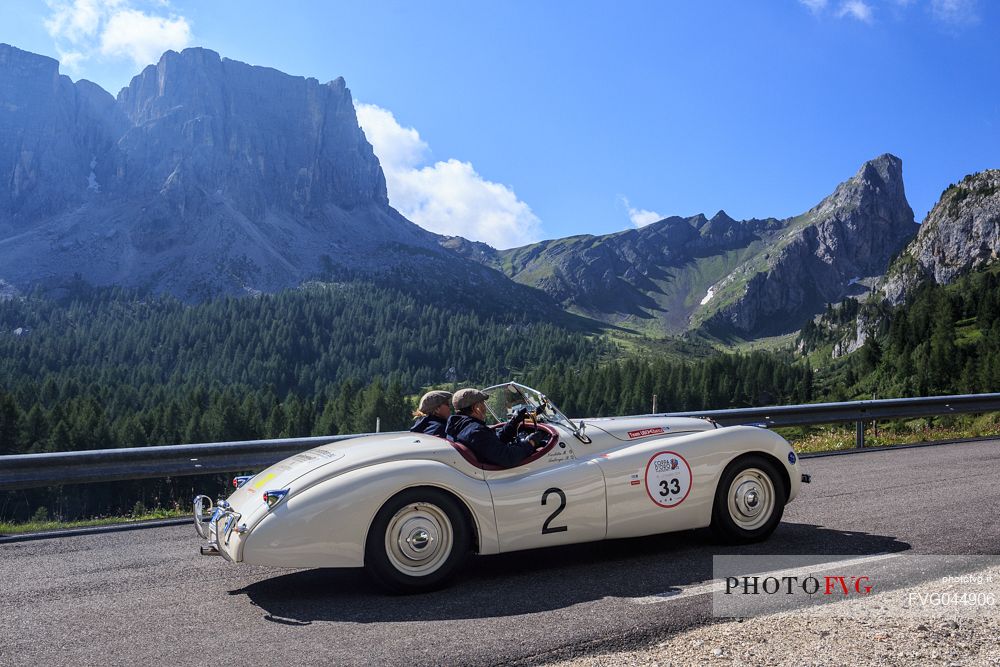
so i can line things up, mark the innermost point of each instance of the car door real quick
(558, 499)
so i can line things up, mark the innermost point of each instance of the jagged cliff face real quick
(51, 130)
(832, 251)
(205, 176)
(746, 278)
(260, 137)
(960, 234)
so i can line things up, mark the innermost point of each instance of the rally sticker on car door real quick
(668, 479)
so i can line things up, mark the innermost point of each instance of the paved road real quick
(145, 597)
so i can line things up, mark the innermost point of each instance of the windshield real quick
(506, 399)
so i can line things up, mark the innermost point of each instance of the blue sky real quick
(515, 121)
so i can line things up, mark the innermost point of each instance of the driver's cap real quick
(466, 398)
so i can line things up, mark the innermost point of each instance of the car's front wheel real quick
(417, 541)
(749, 500)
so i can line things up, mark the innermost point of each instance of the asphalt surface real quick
(147, 597)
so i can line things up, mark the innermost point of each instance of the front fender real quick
(326, 525)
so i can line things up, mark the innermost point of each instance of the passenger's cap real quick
(432, 400)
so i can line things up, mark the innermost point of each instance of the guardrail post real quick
(859, 440)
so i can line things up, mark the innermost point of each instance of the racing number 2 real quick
(674, 487)
(546, 528)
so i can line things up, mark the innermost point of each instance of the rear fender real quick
(631, 509)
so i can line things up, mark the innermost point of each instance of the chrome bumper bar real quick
(218, 528)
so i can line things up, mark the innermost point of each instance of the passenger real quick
(432, 415)
(469, 428)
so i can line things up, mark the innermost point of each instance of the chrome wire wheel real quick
(751, 499)
(418, 539)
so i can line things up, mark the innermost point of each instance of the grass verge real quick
(7, 528)
(810, 439)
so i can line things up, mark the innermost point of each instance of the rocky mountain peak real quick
(822, 256)
(877, 190)
(204, 176)
(886, 166)
(721, 217)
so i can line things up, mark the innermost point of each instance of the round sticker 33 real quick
(668, 479)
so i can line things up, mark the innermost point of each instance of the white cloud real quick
(856, 9)
(955, 12)
(816, 6)
(640, 217)
(142, 37)
(397, 147)
(71, 60)
(113, 29)
(448, 197)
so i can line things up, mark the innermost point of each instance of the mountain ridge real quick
(208, 176)
(718, 275)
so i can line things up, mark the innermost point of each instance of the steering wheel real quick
(537, 439)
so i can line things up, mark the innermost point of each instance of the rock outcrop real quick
(960, 234)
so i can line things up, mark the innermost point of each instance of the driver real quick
(467, 427)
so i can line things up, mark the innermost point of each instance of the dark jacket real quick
(489, 446)
(429, 424)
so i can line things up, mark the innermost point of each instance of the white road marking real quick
(717, 585)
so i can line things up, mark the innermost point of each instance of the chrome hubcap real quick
(751, 499)
(419, 539)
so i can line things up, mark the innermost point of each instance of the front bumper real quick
(218, 529)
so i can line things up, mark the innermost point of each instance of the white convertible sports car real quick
(411, 507)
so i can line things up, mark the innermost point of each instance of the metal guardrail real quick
(853, 411)
(104, 465)
(23, 471)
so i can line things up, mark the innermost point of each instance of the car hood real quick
(628, 429)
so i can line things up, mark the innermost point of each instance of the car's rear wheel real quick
(417, 541)
(749, 500)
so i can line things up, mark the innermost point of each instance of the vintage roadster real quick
(411, 507)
